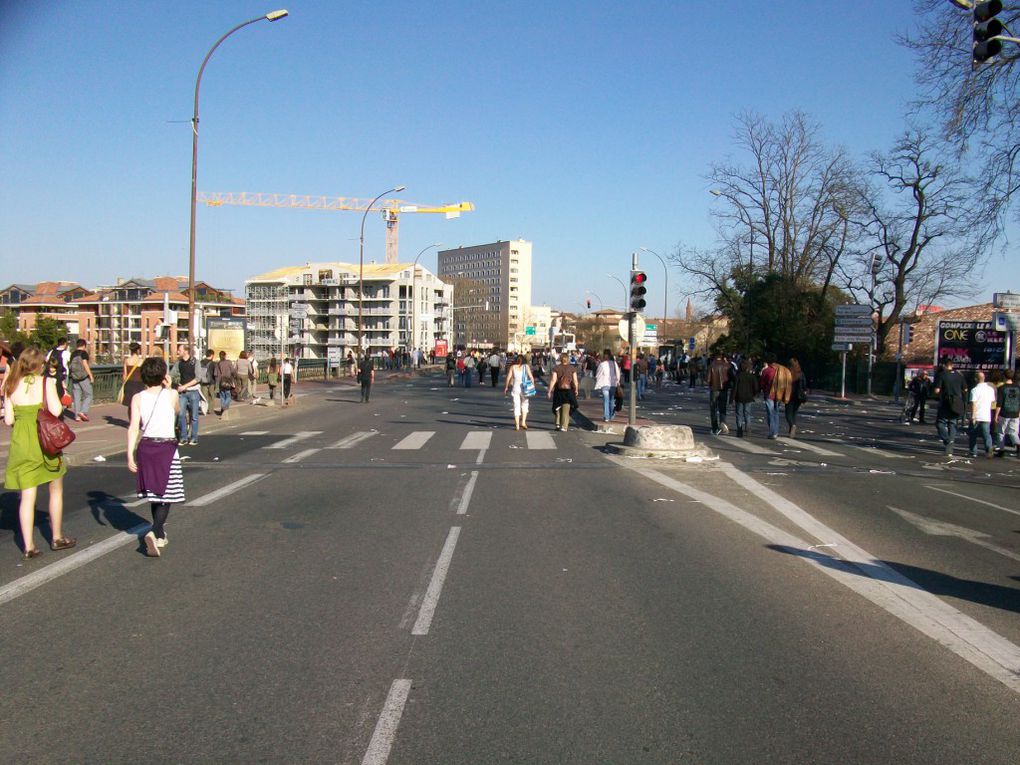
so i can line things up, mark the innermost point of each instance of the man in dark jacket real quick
(919, 389)
(720, 380)
(951, 391)
(744, 391)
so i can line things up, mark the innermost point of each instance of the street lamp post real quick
(665, 289)
(414, 292)
(626, 294)
(192, 329)
(361, 266)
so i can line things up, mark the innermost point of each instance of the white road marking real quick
(477, 439)
(386, 728)
(481, 457)
(943, 529)
(350, 441)
(972, 499)
(539, 440)
(38, 578)
(431, 599)
(297, 437)
(464, 498)
(301, 455)
(747, 446)
(877, 451)
(255, 433)
(212, 496)
(416, 440)
(808, 447)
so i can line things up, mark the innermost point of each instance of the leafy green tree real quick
(47, 331)
(9, 331)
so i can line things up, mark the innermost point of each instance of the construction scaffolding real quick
(268, 315)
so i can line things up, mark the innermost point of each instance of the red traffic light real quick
(638, 277)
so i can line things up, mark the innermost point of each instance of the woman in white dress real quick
(515, 376)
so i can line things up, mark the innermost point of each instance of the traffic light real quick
(588, 301)
(637, 290)
(986, 29)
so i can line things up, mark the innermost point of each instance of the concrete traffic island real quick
(661, 441)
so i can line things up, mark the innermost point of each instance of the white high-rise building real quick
(493, 289)
(311, 311)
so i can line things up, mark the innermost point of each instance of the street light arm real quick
(361, 264)
(665, 288)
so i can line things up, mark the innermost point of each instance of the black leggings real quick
(160, 510)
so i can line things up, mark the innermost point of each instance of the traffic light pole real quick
(632, 409)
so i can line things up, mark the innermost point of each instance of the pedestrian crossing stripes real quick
(807, 446)
(348, 442)
(477, 439)
(539, 440)
(297, 437)
(416, 440)
(747, 446)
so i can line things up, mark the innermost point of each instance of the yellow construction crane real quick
(391, 209)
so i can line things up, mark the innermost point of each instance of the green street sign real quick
(529, 330)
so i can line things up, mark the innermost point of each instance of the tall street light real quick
(361, 266)
(414, 292)
(192, 329)
(665, 289)
(626, 293)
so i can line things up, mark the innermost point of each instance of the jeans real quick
(608, 401)
(642, 386)
(81, 393)
(224, 400)
(772, 416)
(1009, 427)
(984, 431)
(189, 405)
(717, 403)
(743, 415)
(470, 373)
(947, 432)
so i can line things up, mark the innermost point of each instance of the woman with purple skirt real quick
(152, 450)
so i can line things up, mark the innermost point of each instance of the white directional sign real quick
(1006, 322)
(854, 309)
(842, 347)
(853, 321)
(848, 337)
(1006, 300)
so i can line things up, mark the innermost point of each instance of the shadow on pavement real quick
(934, 582)
(108, 510)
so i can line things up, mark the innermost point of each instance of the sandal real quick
(64, 543)
(35, 552)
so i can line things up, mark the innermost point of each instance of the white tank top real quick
(157, 413)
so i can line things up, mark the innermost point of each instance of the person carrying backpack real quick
(80, 375)
(57, 361)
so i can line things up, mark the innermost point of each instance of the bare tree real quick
(918, 244)
(785, 208)
(977, 106)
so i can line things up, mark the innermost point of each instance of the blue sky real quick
(584, 127)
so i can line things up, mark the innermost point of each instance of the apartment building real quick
(311, 311)
(150, 312)
(493, 284)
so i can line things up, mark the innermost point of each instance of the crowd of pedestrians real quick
(987, 409)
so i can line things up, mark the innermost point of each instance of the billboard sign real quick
(226, 333)
(441, 349)
(972, 345)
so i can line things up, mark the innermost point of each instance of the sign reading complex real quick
(972, 345)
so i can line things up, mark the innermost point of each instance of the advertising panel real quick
(441, 349)
(224, 333)
(972, 345)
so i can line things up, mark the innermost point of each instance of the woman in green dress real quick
(27, 466)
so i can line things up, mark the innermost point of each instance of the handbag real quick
(54, 434)
(527, 384)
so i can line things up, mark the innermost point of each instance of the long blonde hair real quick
(30, 362)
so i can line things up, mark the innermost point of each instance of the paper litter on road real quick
(215, 459)
(99, 458)
(663, 499)
(882, 472)
(451, 467)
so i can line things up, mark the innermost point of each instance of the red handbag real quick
(54, 434)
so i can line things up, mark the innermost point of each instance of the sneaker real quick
(151, 545)
(84, 417)
(724, 429)
(162, 542)
(193, 442)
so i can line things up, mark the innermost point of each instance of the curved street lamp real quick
(361, 264)
(192, 329)
(414, 291)
(626, 294)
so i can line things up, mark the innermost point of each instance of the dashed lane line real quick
(300, 455)
(972, 499)
(348, 442)
(435, 589)
(223, 491)
(386, 728)
(747, 446)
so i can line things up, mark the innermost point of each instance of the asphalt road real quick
(412, 581)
